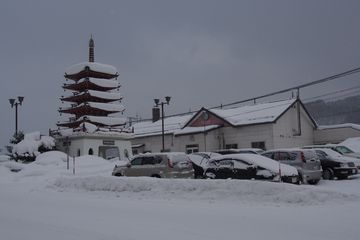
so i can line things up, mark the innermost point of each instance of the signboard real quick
(108, 142)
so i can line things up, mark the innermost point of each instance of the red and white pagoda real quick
(95, 125)
(95, 96)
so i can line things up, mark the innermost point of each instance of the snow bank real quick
(31, 143)
(206, 190)
(51, 158)
(4, 158)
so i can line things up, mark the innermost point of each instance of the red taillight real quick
(302, 157)
(170, 163)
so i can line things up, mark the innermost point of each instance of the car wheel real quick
(118, 175)
(328, 174)
(210, 175)
(313, 182)
(156, 176)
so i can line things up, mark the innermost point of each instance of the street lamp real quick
(157, 103)
(16, 103)
(205, 118)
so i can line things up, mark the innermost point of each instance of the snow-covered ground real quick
(46, 201)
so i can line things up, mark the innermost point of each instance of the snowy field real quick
(44, 200)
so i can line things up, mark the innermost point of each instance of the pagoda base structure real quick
(109, 146)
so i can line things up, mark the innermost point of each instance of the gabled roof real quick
(254, 114)
(240, 116)
(247, 115)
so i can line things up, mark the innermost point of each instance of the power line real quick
(298, 87)
(326, 79)
(332, 93)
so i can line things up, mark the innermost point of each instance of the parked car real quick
(240, 150)
(160, 165)
(249, 166)
(305, 160)
(340, 149)
(199, 160)
(334, 164)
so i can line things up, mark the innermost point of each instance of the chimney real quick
(155, 114)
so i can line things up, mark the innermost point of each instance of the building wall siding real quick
(244, 136)
(286, 129)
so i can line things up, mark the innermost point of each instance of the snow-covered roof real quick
(109, 121)
(252, 114)
(105, 95)
(97, 67)
(244, 115)
(107, 83)
(171, 124)
(111, 107)
(344, 125)
(188, 130)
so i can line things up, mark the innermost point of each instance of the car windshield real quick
(343, 150)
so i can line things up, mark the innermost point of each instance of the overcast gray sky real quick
(200, 52)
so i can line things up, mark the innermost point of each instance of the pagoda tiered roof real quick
(91, 69)
(93, 96)
(96, 120)
(93, 84)
(93, 108)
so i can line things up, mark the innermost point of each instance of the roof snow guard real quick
(91, 69)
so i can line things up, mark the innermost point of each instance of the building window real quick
(91, 151)
(109, 152)
(260, 145)
(192, 148)
(78, 152)
(231, 146)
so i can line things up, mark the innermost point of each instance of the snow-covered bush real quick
(32, 145)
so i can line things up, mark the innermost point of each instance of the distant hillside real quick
(346, 110)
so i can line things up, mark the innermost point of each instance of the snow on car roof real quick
(263, 162)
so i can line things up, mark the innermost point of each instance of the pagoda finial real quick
(91, 49)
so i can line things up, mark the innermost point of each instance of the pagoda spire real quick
(91, 50)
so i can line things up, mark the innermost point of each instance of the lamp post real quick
(157, 103)
(16, 103)
(205, 118)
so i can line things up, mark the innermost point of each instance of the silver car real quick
(305, 160)
(160, 165)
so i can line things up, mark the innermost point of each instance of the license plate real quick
(354, 171)
(344, 172)
(293, 180)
